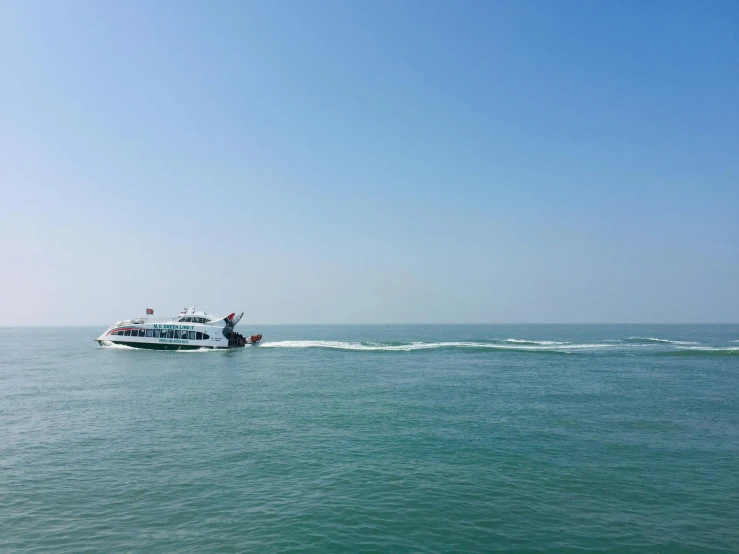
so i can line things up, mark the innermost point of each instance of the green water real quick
(374, 439)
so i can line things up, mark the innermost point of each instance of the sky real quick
(370, 161)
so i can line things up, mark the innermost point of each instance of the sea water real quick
(374, 439)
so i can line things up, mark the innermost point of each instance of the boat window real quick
(142, 332)
(149, 333)
(127, 333)
(169, 332)
(206, 336)
(156, 333)
(198, 335)
(191, 335)
(176, 333)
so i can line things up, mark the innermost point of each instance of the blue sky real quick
(349, 162)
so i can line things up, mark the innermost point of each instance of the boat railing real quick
(142, 320)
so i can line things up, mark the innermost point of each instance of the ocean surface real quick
(477, 438)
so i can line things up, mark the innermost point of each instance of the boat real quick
(191, 330)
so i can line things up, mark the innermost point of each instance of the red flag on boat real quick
(149, 311)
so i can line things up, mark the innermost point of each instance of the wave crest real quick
(117, 346)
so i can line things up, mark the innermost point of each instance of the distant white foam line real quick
(586, 346)
(339, 345)
(663, 341)
(541, 342)
(710, 348)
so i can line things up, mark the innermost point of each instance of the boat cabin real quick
(194, 319)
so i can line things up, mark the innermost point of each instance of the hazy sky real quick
(314, 162)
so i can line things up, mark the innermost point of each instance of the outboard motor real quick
(229, 322)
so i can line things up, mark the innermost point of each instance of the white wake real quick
(408, 347)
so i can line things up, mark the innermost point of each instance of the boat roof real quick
(187, 313)
(192, 312)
